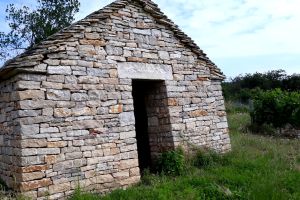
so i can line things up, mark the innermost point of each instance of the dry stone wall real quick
(69, 119)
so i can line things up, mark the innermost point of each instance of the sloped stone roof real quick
(36, 54)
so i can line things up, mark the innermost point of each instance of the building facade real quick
(94, 104)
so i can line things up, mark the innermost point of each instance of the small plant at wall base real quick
(171, 162)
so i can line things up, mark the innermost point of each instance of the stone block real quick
(126, 135)
(62, 112)
(35, 104)
(79, 97)
(121, 175)
(51, 159)
(142, 31)
(92, 36)
(56, 78)
(47, 151)
(47, 112)
(33, 143)
(30, 94)
(84, 63)
(52, 62)
(163, 55)
(111, 50)
(30, 129)
(65, 70)
(98, 95)
(127, 118)
(49, 130)
(127, 164)
(31, 185)
(57, 144)
(88, 79)
(116, 109)
(57, 188)
(34, 168)
(32, 176)
(133, 70)
(73, 155)
(60, 95)
(28, 85)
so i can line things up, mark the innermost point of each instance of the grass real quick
(257, 168)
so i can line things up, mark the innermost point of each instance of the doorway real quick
(152, 123)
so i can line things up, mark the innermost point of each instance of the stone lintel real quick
(147, 71)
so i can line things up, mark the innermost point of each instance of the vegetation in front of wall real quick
(171, 162)
(257, 168)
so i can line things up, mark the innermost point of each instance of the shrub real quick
(171, 162)
(277, 108)
(205, 158)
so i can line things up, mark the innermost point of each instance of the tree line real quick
(243, 87)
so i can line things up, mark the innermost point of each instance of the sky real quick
(240, 36)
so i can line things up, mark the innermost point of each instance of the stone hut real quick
(95, 103)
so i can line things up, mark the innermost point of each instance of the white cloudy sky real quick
(240, 36)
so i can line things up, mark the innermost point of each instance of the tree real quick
(29, 27)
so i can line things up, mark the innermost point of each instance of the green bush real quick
(171, 162)
(206, 158)
(277, 108)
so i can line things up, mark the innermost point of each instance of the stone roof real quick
(36, 54)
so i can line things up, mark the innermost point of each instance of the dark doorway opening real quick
(152, 121)
(139, 93)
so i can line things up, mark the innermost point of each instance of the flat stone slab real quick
(134, 70)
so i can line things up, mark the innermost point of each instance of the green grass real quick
(257, 168)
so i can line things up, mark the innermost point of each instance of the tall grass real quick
(257, 168)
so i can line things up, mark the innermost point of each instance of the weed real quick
(171, 162)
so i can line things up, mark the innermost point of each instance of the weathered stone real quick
(145, 71)
(84, 63)
(127, 164)
(57, 188)
(79, 97)
(126, 135)
(116, 108)
(61, 95)
(164, 55)
(88, 79)
(28, 85)
(32, 176)
(62, 112)
(33, 143)
(30, 129)
(34, 168)
(52, 62)
(29, 94)
(51, 159)
(127, 118)
(116, 51)
(27, 186)
(65, 70)
(35, 104)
